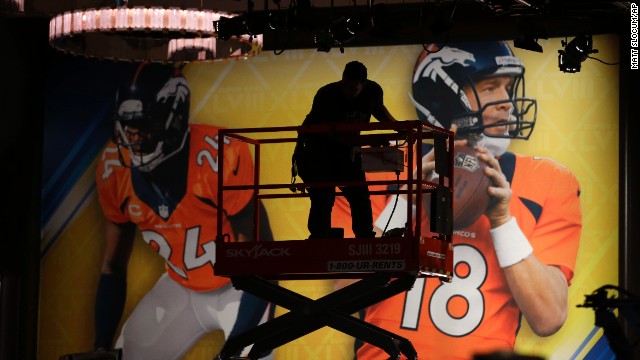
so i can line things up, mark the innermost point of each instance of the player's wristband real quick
(398, 216)
(510, 243)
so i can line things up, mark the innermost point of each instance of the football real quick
(470, 196)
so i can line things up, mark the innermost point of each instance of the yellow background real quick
(577, 126)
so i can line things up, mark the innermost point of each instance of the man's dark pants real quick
(317, 164)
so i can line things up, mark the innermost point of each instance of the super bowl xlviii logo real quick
(466, 161)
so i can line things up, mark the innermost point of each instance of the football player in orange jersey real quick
(160, 175)
(517, 259)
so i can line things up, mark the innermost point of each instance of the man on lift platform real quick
(327, 157)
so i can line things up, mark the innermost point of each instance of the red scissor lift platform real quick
(384, 266)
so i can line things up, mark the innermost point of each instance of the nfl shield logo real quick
(163, 210)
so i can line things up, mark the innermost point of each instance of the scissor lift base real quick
(334, 310)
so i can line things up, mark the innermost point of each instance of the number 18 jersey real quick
(476, 312)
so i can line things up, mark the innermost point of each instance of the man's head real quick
(354, 77)
(479, 87)
(151, 115)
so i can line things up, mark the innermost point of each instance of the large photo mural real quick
(130, 193)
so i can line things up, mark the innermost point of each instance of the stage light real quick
(324, 40)
(345, 29)
(277, 20)
(337, 33)
(251, 24)
(575, 52)
(227, 27)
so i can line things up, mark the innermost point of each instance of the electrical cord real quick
(384, 232)
(604, 62)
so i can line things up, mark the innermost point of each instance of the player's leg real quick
(163, 325)
(252, 312)
(223, 311)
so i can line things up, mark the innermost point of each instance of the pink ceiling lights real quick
(148, 34)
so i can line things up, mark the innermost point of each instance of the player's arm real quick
(112, 286)
(540, 290)
(239, 205)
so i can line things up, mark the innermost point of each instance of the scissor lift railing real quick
(385, 266)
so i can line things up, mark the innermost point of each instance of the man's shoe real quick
(370, 235)
(336, 233)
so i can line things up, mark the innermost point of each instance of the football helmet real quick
(441, 74)
(151, 115)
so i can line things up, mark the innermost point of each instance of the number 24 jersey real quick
(184, 236)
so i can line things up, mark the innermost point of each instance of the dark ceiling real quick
(421, 22)
(399, 21)
(436, 21)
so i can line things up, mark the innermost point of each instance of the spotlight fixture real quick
(345, 28)
(338, 33)
(226, 27)
(251, 23)
(527, 43)
(276, 20)
(574, 53)
(324, 40)
(145, 34)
